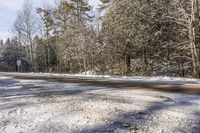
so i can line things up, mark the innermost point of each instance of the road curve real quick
(173, 87)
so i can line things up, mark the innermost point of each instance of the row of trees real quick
(129, 37)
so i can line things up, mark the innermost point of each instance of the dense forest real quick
(120, 37)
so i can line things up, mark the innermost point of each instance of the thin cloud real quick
(11, 4)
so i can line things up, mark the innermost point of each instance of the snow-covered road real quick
(33, 106)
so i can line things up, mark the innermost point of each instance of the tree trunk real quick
(198, 35)
(48, 54)
(45, 60)
(193, 47)
(48, 47)
(127, 59)
(31, 52)
(84, 58)
(145, 62)
(128, 64)
(182, 69)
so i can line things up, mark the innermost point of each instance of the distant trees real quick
(25, 25)
(11, 51)
(134, 37)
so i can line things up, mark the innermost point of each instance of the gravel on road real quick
(33, 106)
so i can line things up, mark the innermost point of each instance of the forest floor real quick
(32, 104)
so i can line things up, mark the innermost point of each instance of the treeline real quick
(121, 37)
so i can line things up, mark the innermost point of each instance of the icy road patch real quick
(33, 106)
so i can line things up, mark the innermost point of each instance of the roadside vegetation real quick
(120, 37)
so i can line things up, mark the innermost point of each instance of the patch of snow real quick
(171, 80)
(41, 106)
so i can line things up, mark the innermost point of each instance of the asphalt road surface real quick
(31, 103)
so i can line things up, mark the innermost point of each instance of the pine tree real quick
(47, 20)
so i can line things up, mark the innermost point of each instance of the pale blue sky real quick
(9, 8)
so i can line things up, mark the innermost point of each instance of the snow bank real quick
(171, 80)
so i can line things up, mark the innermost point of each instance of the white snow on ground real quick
(33, 106)
(169, 80)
